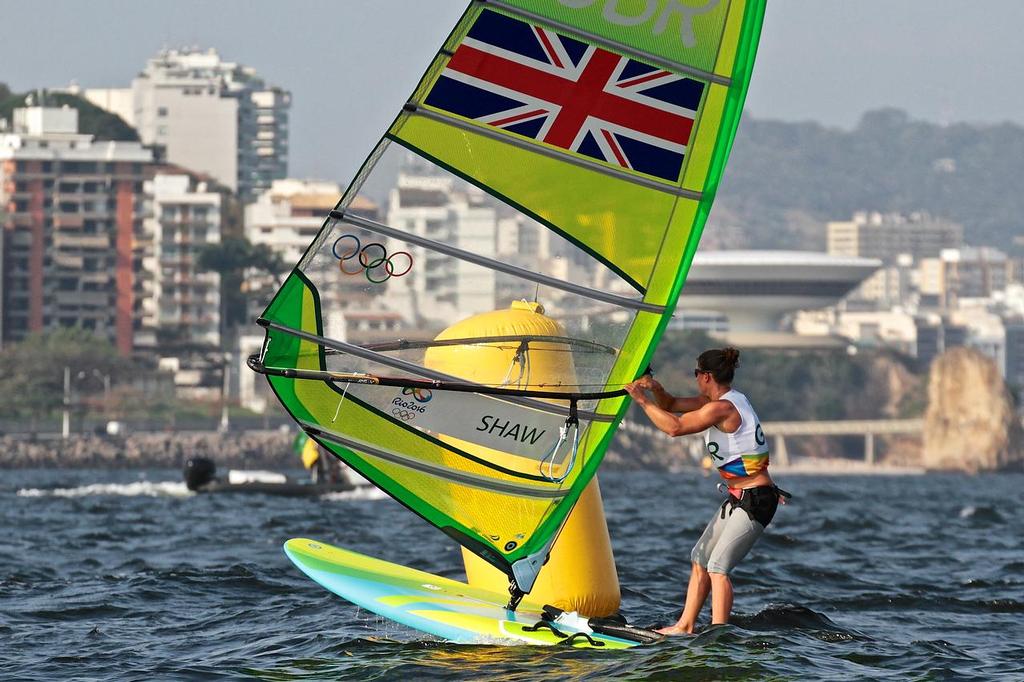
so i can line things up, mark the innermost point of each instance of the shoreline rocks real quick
(971, 424)
(272, 449)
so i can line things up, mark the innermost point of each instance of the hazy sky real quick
(350, 64)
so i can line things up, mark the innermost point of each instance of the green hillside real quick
(785, 179)
(91, 119)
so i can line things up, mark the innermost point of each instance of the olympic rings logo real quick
(404, 415)
(420, 395)
(371, 259)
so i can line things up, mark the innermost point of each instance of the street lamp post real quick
(225, 423)
(65, 429)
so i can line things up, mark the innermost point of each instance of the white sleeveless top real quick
(743, 452)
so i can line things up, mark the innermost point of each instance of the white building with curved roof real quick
(756, 290)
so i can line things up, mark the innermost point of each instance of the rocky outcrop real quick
(971, 424)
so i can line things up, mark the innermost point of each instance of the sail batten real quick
(516, 396)
(447, 473)
(492, 264)
(557, 162)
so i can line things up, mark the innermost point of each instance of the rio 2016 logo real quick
(420, 395)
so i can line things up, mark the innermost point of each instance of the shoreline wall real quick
(270, 449)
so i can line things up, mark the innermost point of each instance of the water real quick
(125, 575)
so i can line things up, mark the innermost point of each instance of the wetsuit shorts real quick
(734, 529)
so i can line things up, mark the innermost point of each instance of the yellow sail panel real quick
(687, 33)
(585, 206)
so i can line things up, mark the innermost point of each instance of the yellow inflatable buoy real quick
(580, 574)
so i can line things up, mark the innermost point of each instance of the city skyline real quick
(818, 61)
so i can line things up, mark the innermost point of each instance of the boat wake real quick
(135, 489)
(361, 492)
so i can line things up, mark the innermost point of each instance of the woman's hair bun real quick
(721, 362)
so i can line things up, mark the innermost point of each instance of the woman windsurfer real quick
(738, 447)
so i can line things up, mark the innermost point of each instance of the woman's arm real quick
(694, 421)
(666, 400)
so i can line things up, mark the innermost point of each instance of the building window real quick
(161, 112)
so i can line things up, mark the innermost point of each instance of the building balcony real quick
(68, 261)
(67, 241)
(93, 299)
(64, 220)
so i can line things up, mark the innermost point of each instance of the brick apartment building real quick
(70, 207)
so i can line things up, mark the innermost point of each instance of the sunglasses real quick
(698, 371)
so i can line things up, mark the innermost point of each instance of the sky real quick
(350, 64)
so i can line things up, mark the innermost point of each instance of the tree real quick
(32, 372)
(233, 259)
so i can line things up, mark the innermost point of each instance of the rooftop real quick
(784, 259)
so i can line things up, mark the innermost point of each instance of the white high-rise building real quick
(180, 304)
(210, 116)
(285, 219)
(287, 216)
(441, 288)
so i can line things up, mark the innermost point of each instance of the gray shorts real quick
(726, 540)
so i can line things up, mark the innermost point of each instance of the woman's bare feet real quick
(676, 629)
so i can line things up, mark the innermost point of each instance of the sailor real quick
(324, 469)
(738, 448)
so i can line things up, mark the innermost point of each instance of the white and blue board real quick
(439, 606)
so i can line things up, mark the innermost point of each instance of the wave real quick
(921, 602)
(796, 617)
(981, 513)
(136, 489)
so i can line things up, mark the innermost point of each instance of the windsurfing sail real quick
(558, 159)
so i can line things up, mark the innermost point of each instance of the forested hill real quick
(91, 118)
(785, 180)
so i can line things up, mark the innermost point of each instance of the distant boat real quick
(200, 474)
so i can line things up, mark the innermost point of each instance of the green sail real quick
(595, 134)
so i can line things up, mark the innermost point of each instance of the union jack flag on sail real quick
(548, 87)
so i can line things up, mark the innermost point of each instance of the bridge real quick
(869, 428)
(779, 431)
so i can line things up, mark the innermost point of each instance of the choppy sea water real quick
(125, 575)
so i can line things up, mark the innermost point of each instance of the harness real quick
(752, 501)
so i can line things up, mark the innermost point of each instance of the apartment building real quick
(887, 236)
(74, 206)
(178, 304)
(442, 288)
(285, 219)
(208, 115)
